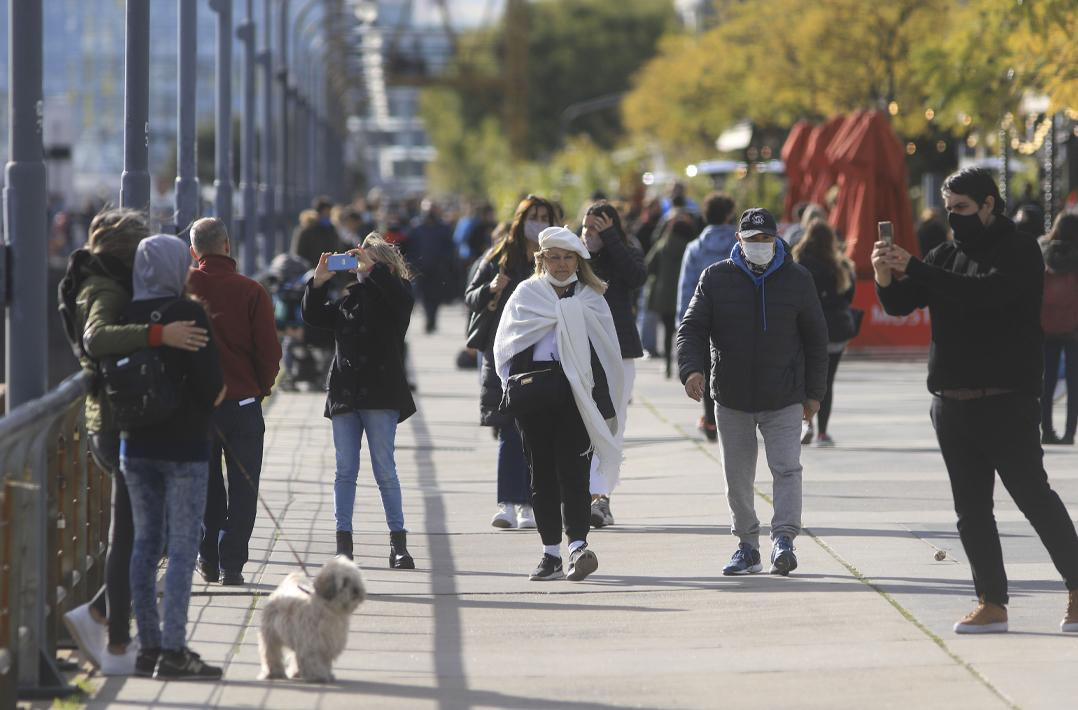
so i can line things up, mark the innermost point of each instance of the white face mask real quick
(532, 228)
(593, 242)
(759, 253)
(561, 283)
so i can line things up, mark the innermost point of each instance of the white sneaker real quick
(525, 516)
(88, 633)
(122, 663)
(505, 518)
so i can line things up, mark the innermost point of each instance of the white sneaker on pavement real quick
(525, 516)
(120, 663)
(88, 633)
(505, 518)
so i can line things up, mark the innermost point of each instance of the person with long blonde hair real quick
(368, 391)
(557, 333)
(820, 252)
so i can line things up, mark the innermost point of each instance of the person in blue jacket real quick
(713, 245)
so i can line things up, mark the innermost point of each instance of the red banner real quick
(885, 332)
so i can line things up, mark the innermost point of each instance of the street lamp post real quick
(187, 198)
(270, 223)
(135, 181)
(223, 141)
(246, 33)
(283, 192)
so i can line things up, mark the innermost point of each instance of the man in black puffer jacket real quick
(984, 293)
(758, 314)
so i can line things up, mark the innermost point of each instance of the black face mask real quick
(969, 230)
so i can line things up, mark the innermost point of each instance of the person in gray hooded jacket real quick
(759, 315)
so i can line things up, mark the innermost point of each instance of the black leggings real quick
(669, 330)
(117, 590)
(825, 405)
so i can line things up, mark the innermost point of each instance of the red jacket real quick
(244, 329)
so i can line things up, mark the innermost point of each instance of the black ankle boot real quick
(344, 544)
(398, 551)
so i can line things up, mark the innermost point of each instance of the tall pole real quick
(269, 210)
(246, 33)
(27, 342)
(187, 198)
(284, 192)
(222, 181)
(135, 181)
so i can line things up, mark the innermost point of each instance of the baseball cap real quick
(757, 221)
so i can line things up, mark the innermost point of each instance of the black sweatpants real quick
(114, 599)
(1001, 434)
(554, 441)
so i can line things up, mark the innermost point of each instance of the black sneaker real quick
(146, 661)
(208, 572)
(184, 664)
(783, 559)
(582, 562)
(549, 568)
(232, 579)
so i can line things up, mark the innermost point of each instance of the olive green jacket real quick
(100, 305)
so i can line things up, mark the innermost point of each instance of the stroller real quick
(307, 351)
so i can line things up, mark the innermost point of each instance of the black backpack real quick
(140, 389)
(67, 293)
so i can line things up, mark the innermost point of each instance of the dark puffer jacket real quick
(621, 264)
(369, 324)
(478, 297)
(767, 333)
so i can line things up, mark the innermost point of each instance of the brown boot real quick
(1070, 621)
(987, 618)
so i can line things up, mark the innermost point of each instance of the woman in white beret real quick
(557, 354)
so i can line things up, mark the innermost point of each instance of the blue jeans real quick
(157, 486)
(514, 481)
(230, 515)
(381, 428)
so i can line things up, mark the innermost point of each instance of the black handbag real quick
(535, 391)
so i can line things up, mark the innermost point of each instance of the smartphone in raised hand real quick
(886, 232)
(341, 262)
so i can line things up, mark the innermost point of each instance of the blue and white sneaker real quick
(746, 560)
(783, 559)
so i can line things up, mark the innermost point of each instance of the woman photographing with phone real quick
(368, 392)
(557, 355)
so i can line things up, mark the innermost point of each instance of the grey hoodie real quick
(162, 263)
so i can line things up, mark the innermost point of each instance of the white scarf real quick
(581, 322)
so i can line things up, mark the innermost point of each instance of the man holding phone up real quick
(758, 314)
(983, 291)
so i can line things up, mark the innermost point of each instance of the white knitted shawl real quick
(580, 321)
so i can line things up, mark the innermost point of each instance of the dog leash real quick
(230, 452)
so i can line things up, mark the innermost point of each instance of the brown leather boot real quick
(987, 618)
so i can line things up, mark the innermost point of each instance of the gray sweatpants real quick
(781, 429)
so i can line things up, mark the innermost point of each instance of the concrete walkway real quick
(863, 623)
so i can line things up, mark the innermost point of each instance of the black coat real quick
(369, 324)
(478, 297)
(985, 306)
(621, 264)
(769, 341)
(836, 305)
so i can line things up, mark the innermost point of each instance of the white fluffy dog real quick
(311, 622)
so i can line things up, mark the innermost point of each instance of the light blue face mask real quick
(759, 253)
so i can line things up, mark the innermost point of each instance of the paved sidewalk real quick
(863, 623)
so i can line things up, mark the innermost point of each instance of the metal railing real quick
(54, 523)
